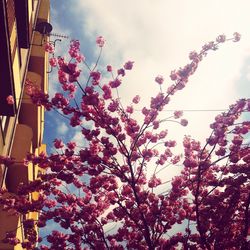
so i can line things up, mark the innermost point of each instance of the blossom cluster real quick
(115, 196)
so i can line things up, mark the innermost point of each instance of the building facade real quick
(22, 57)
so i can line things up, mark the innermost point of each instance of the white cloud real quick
(79, 139)
(248, 73)
(62, 128)
(158, 35)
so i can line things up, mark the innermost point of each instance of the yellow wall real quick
(17, 77)
(30, 121)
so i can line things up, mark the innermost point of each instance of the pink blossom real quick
(109, 68)
(163, 134)
(170, 143)
(171, 89)
(185, 72)
(58, 143)
(53, 62)
(59, 100)
(113, 106)
(115, 83)
(80, 58)
(10, 100)
(173, 75)
(158, 102)
(107, 179)
(121, 72)
(154, 182)
(209, 46)
(176, 159)
(71, 87)
(145, 111)
(100, 41)
(75, 44)
(129, 109)
(128, 65)
(62, 77)
(237, 140)
(193, 55)
(74, 77)
(156, 124)
(60, 61)
(159, 79)
(72, 67)
(221, 151)
(237, 37)
(178, 114)
(113, 243)
(96, 76)
(136, 99)
(74, 50)
(221, 39)
(107, 93)
(182, 213)
(49, 47)
(184, 122)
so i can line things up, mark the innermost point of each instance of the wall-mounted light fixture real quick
(44, 28)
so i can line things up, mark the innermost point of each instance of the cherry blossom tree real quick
(111, 194)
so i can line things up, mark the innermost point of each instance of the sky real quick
(158, 35)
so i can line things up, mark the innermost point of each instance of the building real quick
(22, 57)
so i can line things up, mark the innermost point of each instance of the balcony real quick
(19, 172)
(33, 115)
(10, 222)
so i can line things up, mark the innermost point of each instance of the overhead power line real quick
(193, 110)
